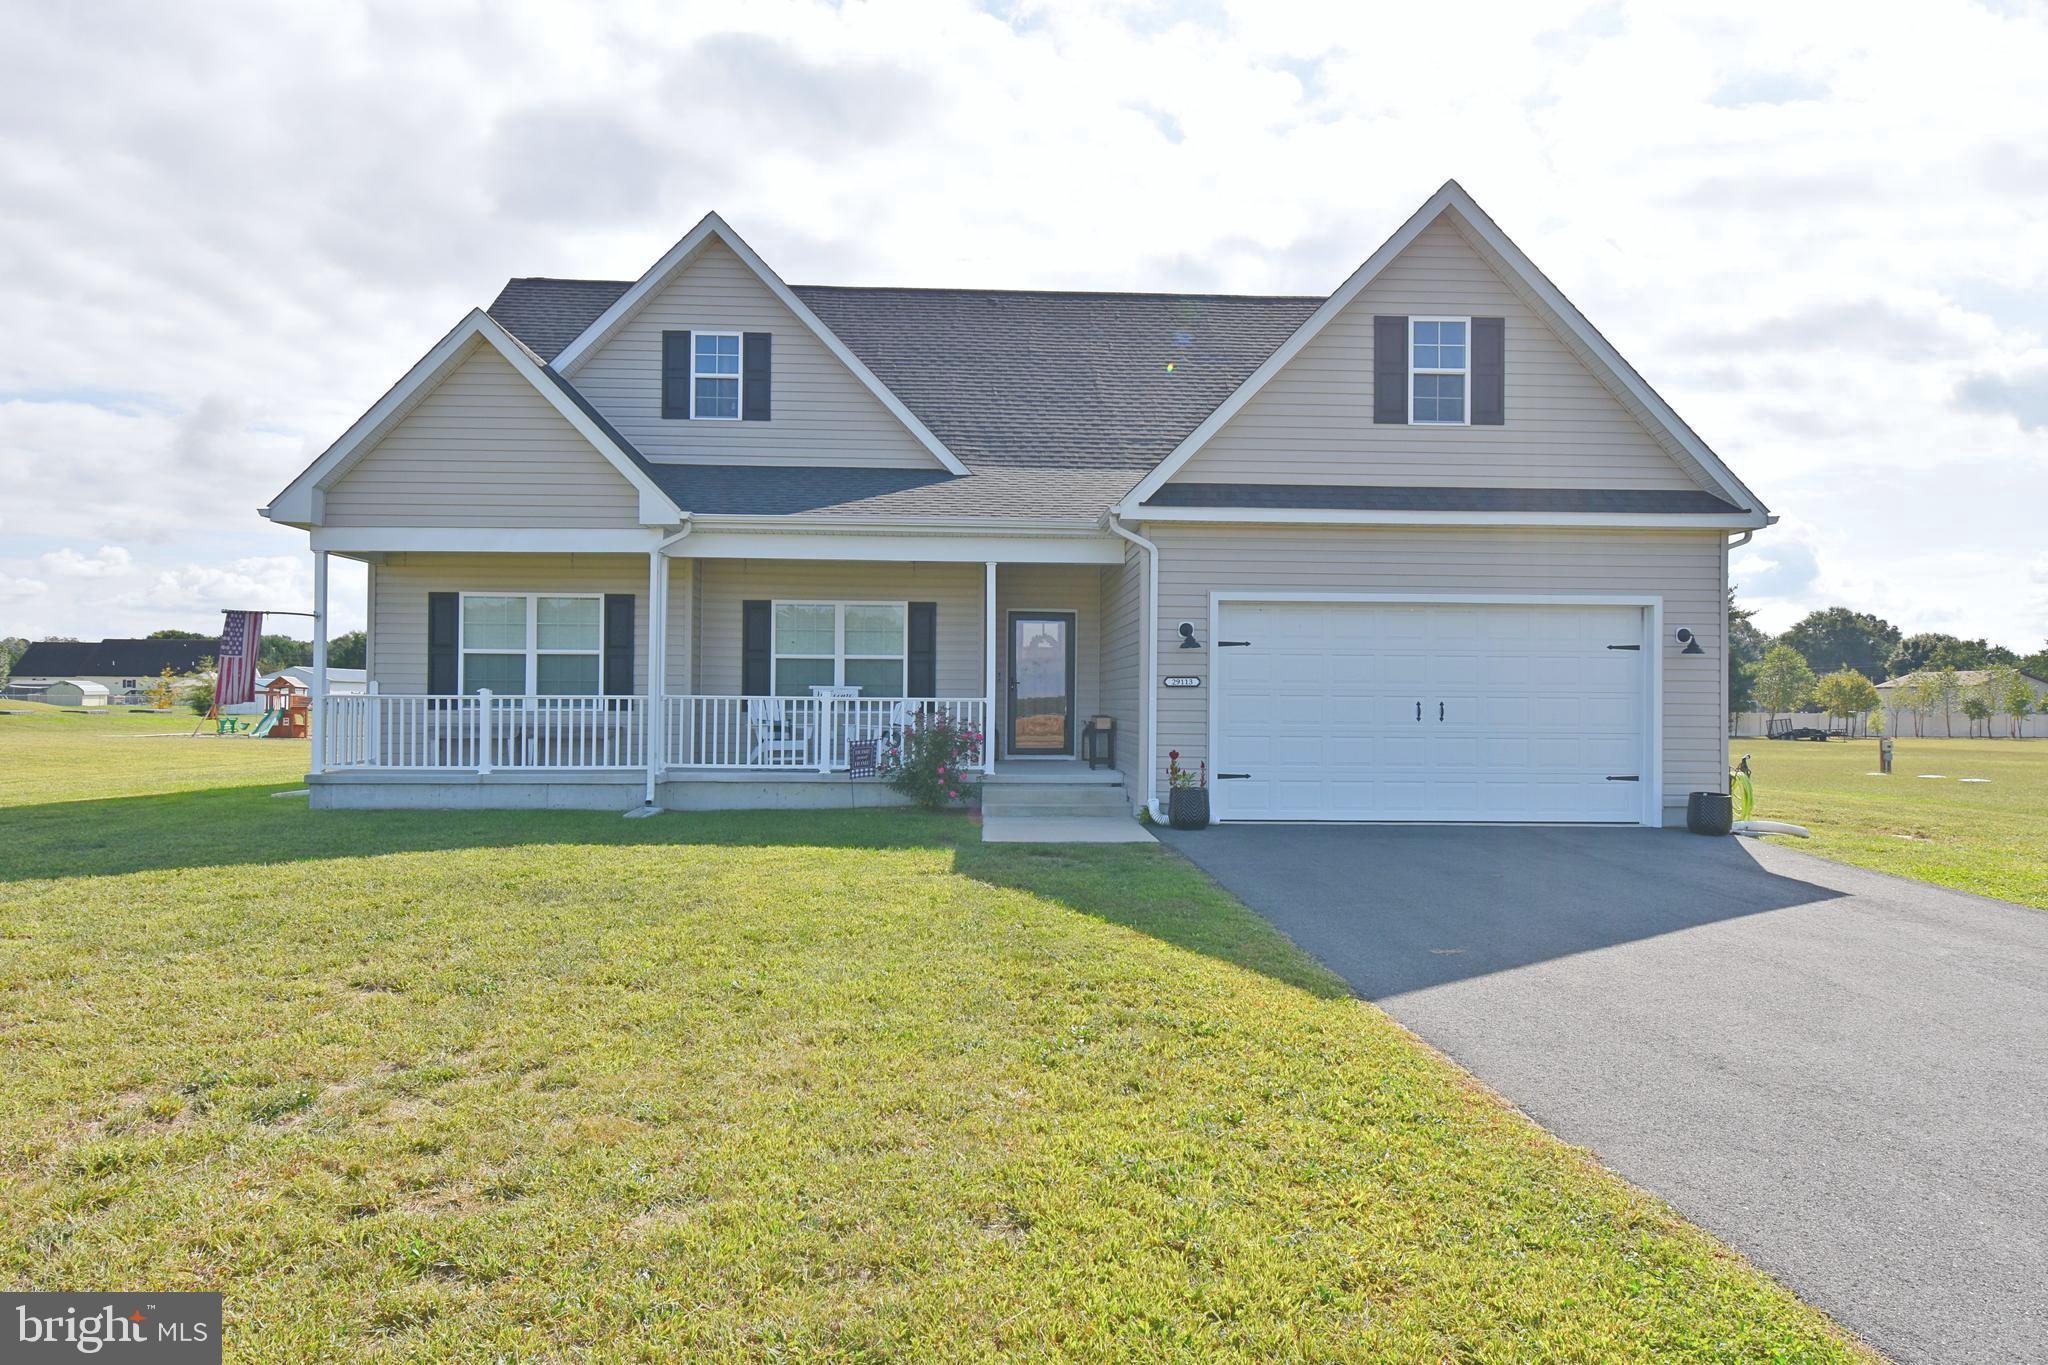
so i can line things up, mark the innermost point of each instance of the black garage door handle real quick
(1229, 777)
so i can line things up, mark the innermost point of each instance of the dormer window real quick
(715, 375)
(1439, 351)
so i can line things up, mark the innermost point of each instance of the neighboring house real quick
(123, 667)
(75, 692)
(1933, 723)
(1419, 550)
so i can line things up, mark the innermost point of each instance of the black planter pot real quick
(1709, 812)
(1188, 808)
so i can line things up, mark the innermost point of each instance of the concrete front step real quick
(1050, 799)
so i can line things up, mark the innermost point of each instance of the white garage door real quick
(1384, 711)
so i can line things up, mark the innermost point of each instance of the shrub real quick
(932, 760)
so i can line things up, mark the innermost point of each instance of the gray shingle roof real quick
(1005, 376)
(1024, 492)
(112, 658)
(549, 314)
(1386, 498)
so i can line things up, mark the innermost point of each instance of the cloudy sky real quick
(1821, 230)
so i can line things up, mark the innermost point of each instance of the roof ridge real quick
(1064, 293)
(976, 289)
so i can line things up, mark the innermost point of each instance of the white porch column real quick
(988, 671)
(657, 663)
(316, 718)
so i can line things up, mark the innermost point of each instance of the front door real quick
(1041, 683)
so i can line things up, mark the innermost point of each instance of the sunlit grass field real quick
(559, 1086)
(1990, 837)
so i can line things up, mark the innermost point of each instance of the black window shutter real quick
(444, 626)
(1489, 372)
(675, 374)
(757, 371)
(1390, 369)
(757, 625)
(924, 650)
(618, 644)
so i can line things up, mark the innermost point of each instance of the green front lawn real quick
(494, 1086)
(1989, 837)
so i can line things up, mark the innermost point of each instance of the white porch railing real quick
(481, 733)
(794, 733)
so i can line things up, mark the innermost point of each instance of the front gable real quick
(1574, 417)
(482, 447)
(1313, 423)
(826, 407)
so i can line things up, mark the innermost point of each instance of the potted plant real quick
(1187, 794)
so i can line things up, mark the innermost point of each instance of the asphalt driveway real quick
(1843, 1075)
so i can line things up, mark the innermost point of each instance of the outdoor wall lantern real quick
(1690, 641)
(1187, 636)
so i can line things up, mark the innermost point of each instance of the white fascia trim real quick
(1452, 197)
(299, 503)
(1289, 516)
(1651, 605)
(481, 540)
(711, 542)
(657, 278)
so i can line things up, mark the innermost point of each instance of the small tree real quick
(1976, 706)
(1948, 690)
(198, 696)
(1846, 694)
(2015, 697)
(1783, 681)
(161, 690)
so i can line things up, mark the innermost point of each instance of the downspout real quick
(657, 658)
(1148, 688)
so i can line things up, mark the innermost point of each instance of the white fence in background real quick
(483, 733)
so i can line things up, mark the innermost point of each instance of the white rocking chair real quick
(777, 738)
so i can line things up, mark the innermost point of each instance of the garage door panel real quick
(1430, 712)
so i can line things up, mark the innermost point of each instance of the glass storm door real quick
(1041, 683)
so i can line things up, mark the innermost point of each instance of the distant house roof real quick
(86, 686)
(112, 658)
(302, 675)
(1968, 677)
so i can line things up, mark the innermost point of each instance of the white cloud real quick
(1818, 246)
(109, 561)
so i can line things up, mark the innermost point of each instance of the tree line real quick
(1832, 660)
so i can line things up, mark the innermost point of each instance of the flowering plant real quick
(932, 760)
(1185, 779)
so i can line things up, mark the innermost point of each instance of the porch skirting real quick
(606, 791)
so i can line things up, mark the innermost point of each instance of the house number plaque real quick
(1183, 681)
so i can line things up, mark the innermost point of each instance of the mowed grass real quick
(1989, 837)
(544, 1085)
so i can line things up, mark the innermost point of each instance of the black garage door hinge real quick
(1226, 777)
(1624, 646)
(1233, 644)
(1632, 777)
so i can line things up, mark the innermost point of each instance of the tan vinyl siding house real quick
(482, 449)
(1506, 564)
(724, 584)
(1313, 424)
(1441, 611)
(822, 414)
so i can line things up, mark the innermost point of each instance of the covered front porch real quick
(574, 678)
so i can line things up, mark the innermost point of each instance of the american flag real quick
(241, 639)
